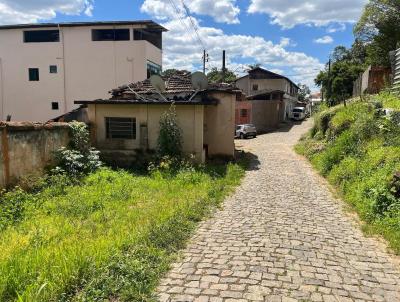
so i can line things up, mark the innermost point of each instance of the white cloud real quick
(223, 11)
(183, 51)
(288, 13)
(336, 27)
(30, 11)
(324, 40)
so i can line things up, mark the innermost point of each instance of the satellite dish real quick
(158, 83)
(199, 81)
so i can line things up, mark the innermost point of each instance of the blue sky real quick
(292, 37)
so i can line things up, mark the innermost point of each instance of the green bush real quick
(80, 158)
(169, 141)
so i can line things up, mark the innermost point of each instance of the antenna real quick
(159, 85)
(199, 81)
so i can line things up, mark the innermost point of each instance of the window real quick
(38, 36)
(255, 86)
(243, 112)
(120, 127)
(33, 74)
(152, 36)
(121, 34)
(53, 68)
(54, 105)
(153, 68)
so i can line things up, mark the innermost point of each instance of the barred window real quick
(120, 127)
(243, 112)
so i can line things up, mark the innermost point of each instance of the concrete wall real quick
(219, 126)
(190, 119)
(86, 70)
(211, 126)
(28, 148)
(371, 81)
(246, 105)
(266, 114)
(246, 85)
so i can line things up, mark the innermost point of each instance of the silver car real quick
(246, 130)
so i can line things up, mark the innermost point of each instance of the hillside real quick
(357, 148)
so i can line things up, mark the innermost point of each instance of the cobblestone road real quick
(282, 237)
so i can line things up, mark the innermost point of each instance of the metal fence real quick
(396, 76)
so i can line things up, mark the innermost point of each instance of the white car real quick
(245, 130)
(299, 113)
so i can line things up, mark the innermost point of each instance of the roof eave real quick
(150, 23)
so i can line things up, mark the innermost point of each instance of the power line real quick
(178, 14)
(193, 24)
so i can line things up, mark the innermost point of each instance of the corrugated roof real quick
(264, 92)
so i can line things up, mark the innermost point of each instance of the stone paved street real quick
(282, 237)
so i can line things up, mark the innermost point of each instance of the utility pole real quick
(223, 66)
(204, 61)
(329, 81)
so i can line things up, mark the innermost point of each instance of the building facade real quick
(44, 68)
(260, 80)
(127, 125)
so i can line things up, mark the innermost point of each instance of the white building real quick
(44, 68)
(261, 80)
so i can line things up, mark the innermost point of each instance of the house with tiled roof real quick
(273, 97)
(127, 123)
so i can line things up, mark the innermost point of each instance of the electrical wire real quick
(185, 26)
(196, 30)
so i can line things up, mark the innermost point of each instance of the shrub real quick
(12, 207)
(170, 137)
(361, 156)
(323, 119)
(80, 158)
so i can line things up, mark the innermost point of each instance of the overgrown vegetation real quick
(79, 158)
(169, 141)
(358, 149)
(107, 237)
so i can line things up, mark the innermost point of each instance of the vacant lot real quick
(109, 237)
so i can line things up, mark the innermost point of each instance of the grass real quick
(109, 238)
(357, 148)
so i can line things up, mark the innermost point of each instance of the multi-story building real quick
(260, 81)
(44, 68)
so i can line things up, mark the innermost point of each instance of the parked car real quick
(299, 113)
(246, 130)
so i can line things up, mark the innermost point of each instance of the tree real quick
(169, 141)
(253, 66)
(304, 92)
(216, 76)
(340, 53)
(169, 72)
(338, 84)
(379, 30)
